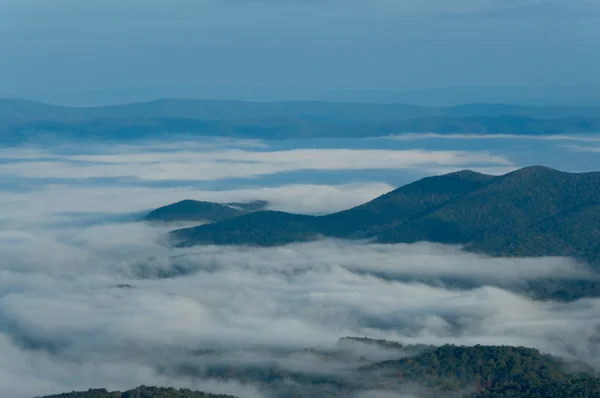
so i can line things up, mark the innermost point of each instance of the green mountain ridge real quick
(534, 211)
(139, 392)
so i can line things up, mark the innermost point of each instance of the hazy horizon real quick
(529, 52)
(520, 96)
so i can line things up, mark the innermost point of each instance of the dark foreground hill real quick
(420, 371)
(139, 392)
(535, 211)
(488, 371)
(194, 210)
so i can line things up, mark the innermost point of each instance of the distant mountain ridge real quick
(534, 211)
(22, 120)
(244, 110)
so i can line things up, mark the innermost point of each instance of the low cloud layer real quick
(234, 163)
(58, 204)
(91, 298)
(581, 148)
(65, 323)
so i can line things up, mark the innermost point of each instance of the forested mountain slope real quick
(448, 371)
(535, 211)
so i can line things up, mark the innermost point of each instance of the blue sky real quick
(70, 46)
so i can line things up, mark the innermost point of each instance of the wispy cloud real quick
(56, 204)
(235, 163)
(60, 307)
(66, 324)
(475, 136)
(582, 148)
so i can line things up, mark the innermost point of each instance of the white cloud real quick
(66, 304)
(56, 204)
(581, 148)
(234, 163)
(65, 325)
(475, 136)
(57, 293)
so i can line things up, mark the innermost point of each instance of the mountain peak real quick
(537, 172)
(537, 169)
(193, 210)
(470, 175)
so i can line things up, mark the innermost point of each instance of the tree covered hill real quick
(535, 211)
(139, 392)
(448, 371)
(192, 210)
(506, 215)
(195, 210)
(489, 371)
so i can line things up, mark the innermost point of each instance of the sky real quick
(67, 46)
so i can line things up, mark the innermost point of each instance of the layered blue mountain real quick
(21, 120)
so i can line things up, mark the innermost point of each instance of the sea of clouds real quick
(91, 297)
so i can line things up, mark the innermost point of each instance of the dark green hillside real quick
(193, 210)
(535, 211)
(512, 210)
(359, 222)
(264, 228)
(424, 371)
(555, 236)
(139, 392)
(488, 371)
(404, 203)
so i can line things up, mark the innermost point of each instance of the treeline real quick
(449, 371)
(489, 371)
(139, 392)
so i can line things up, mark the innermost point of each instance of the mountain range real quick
(534, 211)
(22, 120)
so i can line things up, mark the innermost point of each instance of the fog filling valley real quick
(94, 298)
(108, 305)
